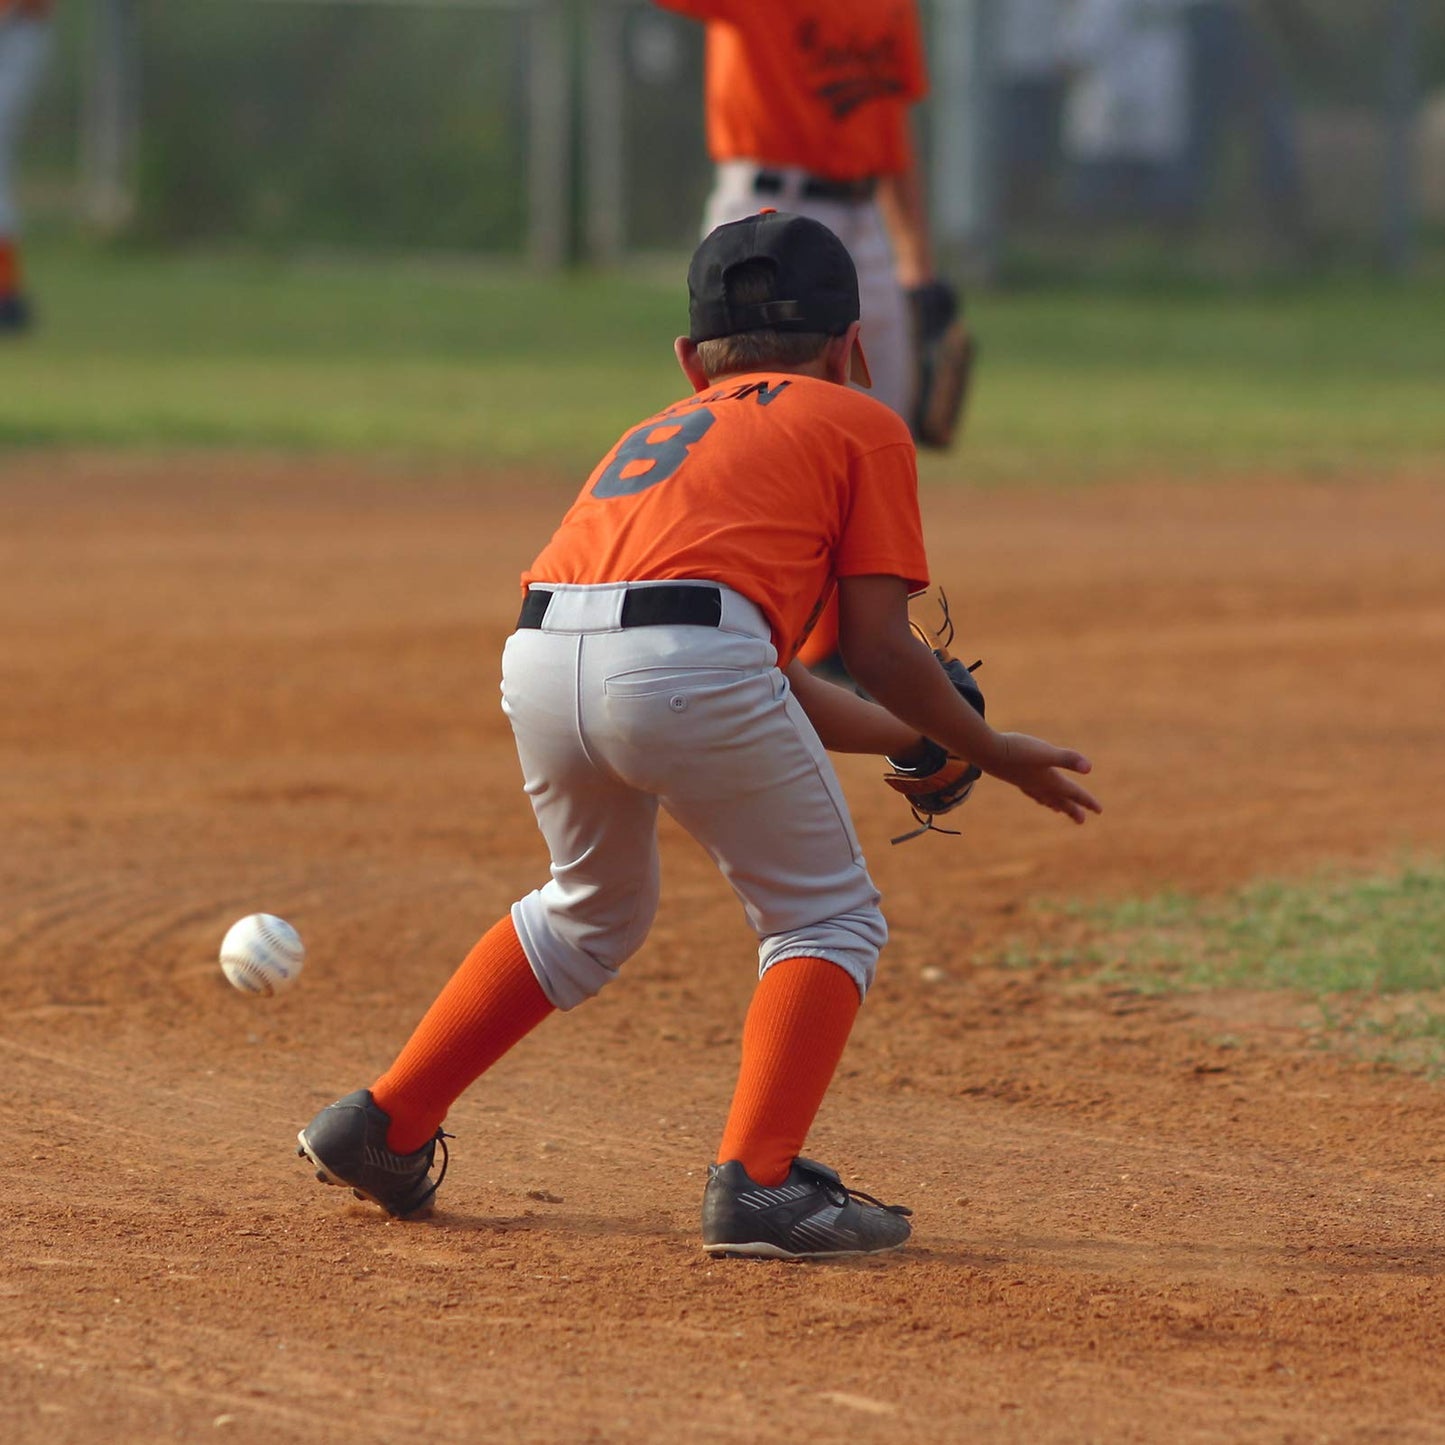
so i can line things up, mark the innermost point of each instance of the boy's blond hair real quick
(748, 284)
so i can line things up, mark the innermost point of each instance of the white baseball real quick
(262, 954)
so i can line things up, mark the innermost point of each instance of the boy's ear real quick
(687, 358)
(845, 360)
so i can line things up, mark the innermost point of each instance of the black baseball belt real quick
(817, 188)
(658, 606)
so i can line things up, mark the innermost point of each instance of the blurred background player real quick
(809, 110)
(1127, 115)
(24, 43)
(1156, 87)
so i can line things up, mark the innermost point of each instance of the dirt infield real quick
(237, 685)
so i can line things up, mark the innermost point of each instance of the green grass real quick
(1382, 934)
(142, 350)
(499, 366)
(1370, 950)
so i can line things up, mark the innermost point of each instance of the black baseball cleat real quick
(346, 1142)
(812, 1214)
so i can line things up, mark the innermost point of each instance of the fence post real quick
(549, 135)
(110, 117)
(1401, 108)
(963, 195)
(602, 140)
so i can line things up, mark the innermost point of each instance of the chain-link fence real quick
(563, 128)
(1301, 132)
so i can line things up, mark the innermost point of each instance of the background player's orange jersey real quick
(772, 484)
(824, 85)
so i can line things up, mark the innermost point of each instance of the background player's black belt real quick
(660, 606)
(817, 188)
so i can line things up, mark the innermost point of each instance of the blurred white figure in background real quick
(25, 27)
(1031, 95)
(1127, 112)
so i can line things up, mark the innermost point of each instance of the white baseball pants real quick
(612, 723)
(887, 328)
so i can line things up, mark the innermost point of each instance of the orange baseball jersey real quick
(822, 642)
(771, 484)
(824, 85)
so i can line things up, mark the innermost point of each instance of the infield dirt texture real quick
(1139, 1218)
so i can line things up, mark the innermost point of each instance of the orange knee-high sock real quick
(488, 1004)
(796, 1029)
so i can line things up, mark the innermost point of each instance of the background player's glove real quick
(937, 782)
(945, 353)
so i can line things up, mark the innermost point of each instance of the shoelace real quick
(441, 1138)
(836, 1187)
(876, 1203)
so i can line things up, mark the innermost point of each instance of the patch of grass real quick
(155, 350)
(1209, 381)
(1383, 934)
(1370, 950)
(152, 351)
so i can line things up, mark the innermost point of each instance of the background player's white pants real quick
(610, 724)
(24, 42)
(887, 329)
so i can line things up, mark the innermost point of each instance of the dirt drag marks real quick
(1137, 1219)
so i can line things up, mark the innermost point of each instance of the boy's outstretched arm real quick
(847, 723)
(886, 659)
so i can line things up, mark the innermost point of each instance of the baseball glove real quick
(938, 782)
(945, 351)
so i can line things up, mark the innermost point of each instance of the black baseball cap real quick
(816, 289)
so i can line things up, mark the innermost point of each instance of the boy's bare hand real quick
(1041, 770)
